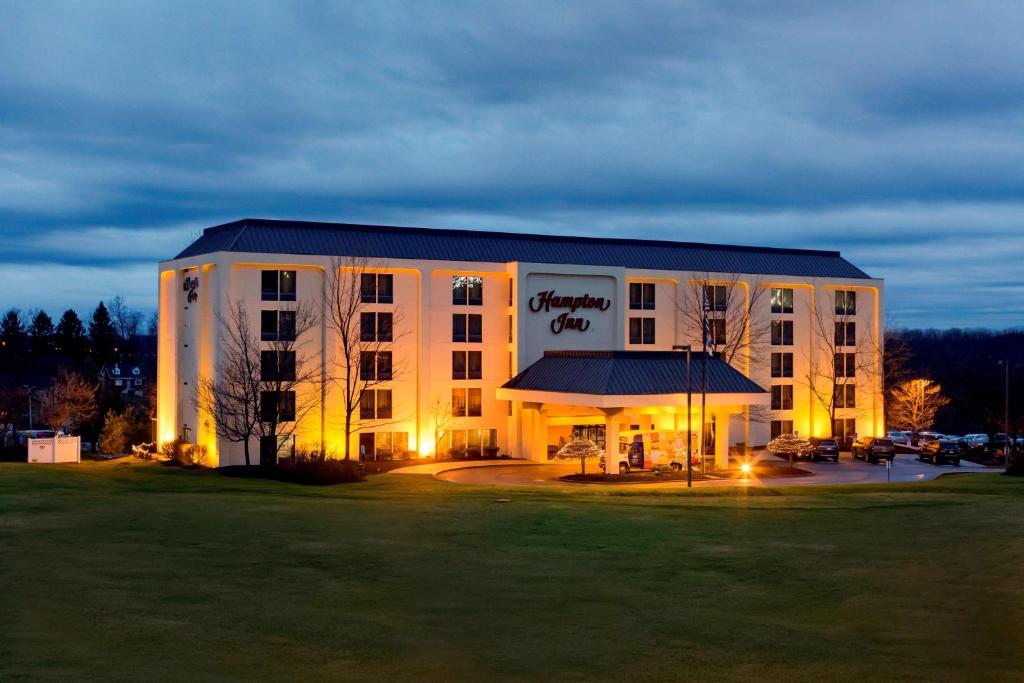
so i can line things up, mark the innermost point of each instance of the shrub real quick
(311, 467)
(114, 437)
(121, 430)
(182, 453)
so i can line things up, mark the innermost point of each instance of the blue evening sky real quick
(892, 131)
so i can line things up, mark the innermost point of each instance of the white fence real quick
(57, 449)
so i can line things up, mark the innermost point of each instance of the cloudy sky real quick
(892, 131)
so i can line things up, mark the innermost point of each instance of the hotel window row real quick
(377, 288)
(375, 327)
(467, 290)
(375, 404)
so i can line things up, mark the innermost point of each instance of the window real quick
(846, 396)
(458, 402)
(117, 382)
(782, 333)
(467, 290)
(277, 406)
(376, 288)
(846, 302)
(846, 364)
(641, 330)
(510, 329)
(715, 297)
(368, 405)
(468, 442)
(375, 365)
(509, 292)
(782, 300)
(384, 445)
(277, 366)
(467, 364)
(375, 327)
(278, 285)
(467, 327)
(716, 330)
(466, 402)
(782, 397)
(780, 427)
(782, 365)
(138, 382)
(375, 404)
(474, 402)
(277, 325)
(846, 334)
(641, 296)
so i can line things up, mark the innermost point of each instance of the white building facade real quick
(793, 343)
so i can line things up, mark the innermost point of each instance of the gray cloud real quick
(891, 131)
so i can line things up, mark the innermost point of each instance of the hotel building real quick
(479, 343)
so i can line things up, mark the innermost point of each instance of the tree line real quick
(970, 366)
(53, 375)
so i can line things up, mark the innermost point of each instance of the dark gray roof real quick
(623, 373)
(257, 235)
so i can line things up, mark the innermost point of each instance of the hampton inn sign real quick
(478, 343)
(547, 300)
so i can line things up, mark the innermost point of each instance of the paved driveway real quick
(847, 471)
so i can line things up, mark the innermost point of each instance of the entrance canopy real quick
(626, 379)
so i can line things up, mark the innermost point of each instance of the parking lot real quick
(905, 468)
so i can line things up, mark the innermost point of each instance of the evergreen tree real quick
(70, 337)
(102, 336)
(13, 345)
(41, 331)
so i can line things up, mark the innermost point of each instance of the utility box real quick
(55, 449)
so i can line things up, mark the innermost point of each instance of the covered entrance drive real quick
(623, 397)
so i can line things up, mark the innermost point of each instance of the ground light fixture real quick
(745, 469)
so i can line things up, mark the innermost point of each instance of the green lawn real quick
(118, 571)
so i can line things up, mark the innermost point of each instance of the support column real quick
(722, 440)
(540, 439)
(612, 422)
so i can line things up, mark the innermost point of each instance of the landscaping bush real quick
(310, 467)
(184, 454)
(120, 431)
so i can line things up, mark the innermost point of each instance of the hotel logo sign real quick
(567, 320)
(191, 286)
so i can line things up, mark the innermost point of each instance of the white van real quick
(641, 450)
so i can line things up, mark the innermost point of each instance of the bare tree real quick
(363, 361)
(265, 383)
(739, 335)
(126, 321)
(441, 417)
(69, 401)
(840, 353)
(725, 312)
(913, 404)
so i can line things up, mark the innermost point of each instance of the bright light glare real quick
(745, 468)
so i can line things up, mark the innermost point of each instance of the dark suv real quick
(874, 448)
(824, 449)
(945, 450)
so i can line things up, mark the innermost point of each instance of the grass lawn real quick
(129, 570)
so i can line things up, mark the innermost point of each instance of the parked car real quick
(899, 437)
(976, 442)
(824, 449)
(946, 450)
(791, 446)
(874, 448)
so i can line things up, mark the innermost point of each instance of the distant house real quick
(128, 380)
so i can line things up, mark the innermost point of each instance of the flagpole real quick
(704, 383)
